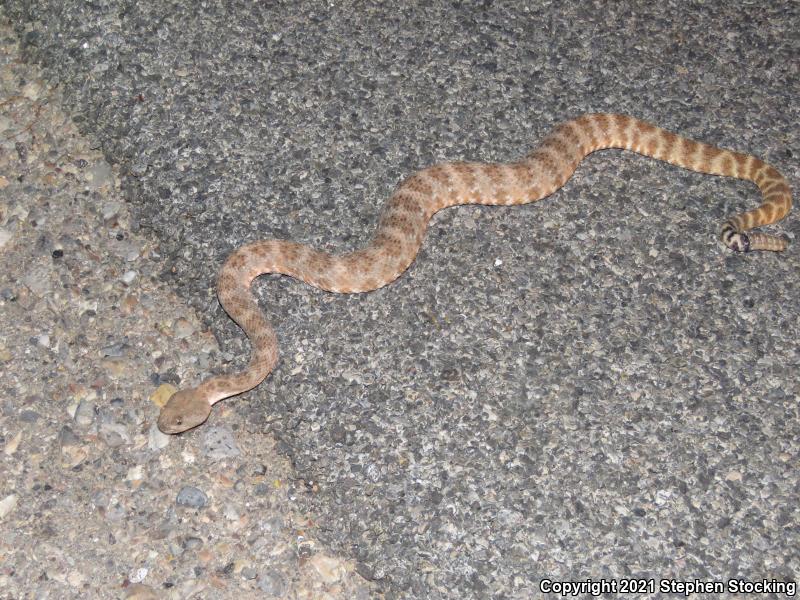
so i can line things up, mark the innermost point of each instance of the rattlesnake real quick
(405, 218)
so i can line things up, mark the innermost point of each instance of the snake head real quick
(183, 411)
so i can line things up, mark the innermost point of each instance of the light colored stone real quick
(5, 236)
(135, 473)
(162, 394)
(12, 444)
(156, 439)
(329, 569)
(7, 504)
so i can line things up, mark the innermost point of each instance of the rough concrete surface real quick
(590, 387)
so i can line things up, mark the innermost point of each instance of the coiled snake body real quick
(405, 218)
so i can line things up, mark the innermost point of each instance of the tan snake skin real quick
(405, 218)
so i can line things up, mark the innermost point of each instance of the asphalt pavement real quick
(589, 387)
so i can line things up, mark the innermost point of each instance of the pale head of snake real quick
(183, 411)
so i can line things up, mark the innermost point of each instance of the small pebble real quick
(138, 168)
(7, 504)
(156, 439)
(5, 236)
(29, 416)
(219, 443)
(162, 394)
(116, 513)
(32, 90)
(111, 210)
(330, 570)
(192, 543)
(67, 437)
(99, 175)
(114, 350)
(138, 575)
(273, 583)
(114, 434)
(72, 456)
(274, 525)
(182, 328)
(191, 497)
(12, 444)
(84, 414)
(135, 473)
(132, 253)
(76, 579)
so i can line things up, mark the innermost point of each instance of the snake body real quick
(405, 218)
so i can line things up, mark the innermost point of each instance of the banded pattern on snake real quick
(405, 218)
